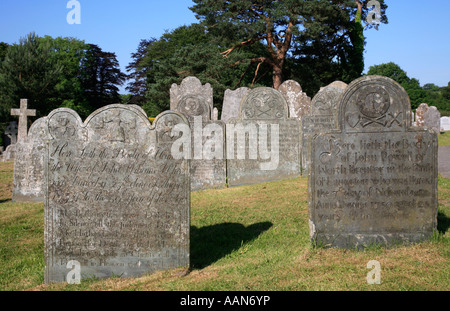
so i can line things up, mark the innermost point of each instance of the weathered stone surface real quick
(191, 87)
(206, 173)
(299, 103)
(28, 185)
(445, 124)
(433, 119)
(9, 153)
(337, 84)
(420, 114)
(263, 144)
(231, 103)
(23, 113)
(375, 179)
(10, 135)
(323, 117)
(117, 201)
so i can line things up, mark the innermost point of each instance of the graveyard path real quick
(444, 161)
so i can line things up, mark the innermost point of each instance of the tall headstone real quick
(191, 86)
(433, 119)
(117, 201)
(28, 185)
(375, 179)
(208, 165)
(420, 115)
(445, 124)
(322, 117)
(23, 113)
(231, 103)
(298, 101)
(263, 144)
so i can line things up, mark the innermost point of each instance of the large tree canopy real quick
(281, 25)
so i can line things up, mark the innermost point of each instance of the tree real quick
(29, 71)
(412, 86)
(282, 24)
(3, 48)
(100, 76)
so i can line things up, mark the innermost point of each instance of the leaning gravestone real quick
(445, 124)
(231, 102)
(28, 185)
(433, 119)
(375, 179)
(208, 165)
(117, 201)
(323, 117)
(299, 103)
(263, 144)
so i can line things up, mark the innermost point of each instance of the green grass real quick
(444, 139)
(244, 238)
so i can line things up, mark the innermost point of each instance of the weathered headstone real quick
(433, 119)
(10, 135)
(322, 117)
(231, 103)
(117, 200)
(298, 101)
(375, 179)
(445, 124)
(208, 167)
(192, 86)
(9, 153)
(337, 84)
(23, 113)
(28, 185)
(263, 144)
(420, 114)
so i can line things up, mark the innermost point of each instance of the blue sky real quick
(417, 37)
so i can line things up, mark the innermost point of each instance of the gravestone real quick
(445, 124)
(322, 117)
(10, 135)
(117, 201)
(231, 103)
(208, 165)
(433, 119)
(263, 144)
(299, 103)
(337, 84)
(375, 179)
(420, 115)
(23, 113)
(191, 86)
(9, 153)
(28, 185)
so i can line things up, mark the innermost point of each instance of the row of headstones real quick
(117, 195)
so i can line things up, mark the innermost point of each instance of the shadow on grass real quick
(443, 223)
(210, 243)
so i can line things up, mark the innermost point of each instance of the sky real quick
(417, 37)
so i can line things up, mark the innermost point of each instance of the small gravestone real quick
(117, 201)
(420, 114)
(263, 144)
(375, 179)
(322, 117)
(433, 119)
(299, 103)
(10, 135)
(231, 102)
(445, 124)
(192, 86)
(208, 165)
(9, 153)
(28, 185)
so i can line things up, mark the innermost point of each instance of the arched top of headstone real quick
(264, 103)
(194, 105)
(326, 101)
(298, 101)
(337, 84)
(191, 86)
(375, 104)
(116, 124)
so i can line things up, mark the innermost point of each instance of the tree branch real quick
(242, 44)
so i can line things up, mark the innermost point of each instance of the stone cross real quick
(23, 113)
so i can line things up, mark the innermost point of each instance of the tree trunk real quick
(277, 76)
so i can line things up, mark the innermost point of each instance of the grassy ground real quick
(444, 139)
(245, 238)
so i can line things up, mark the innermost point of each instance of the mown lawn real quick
(246, 238)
